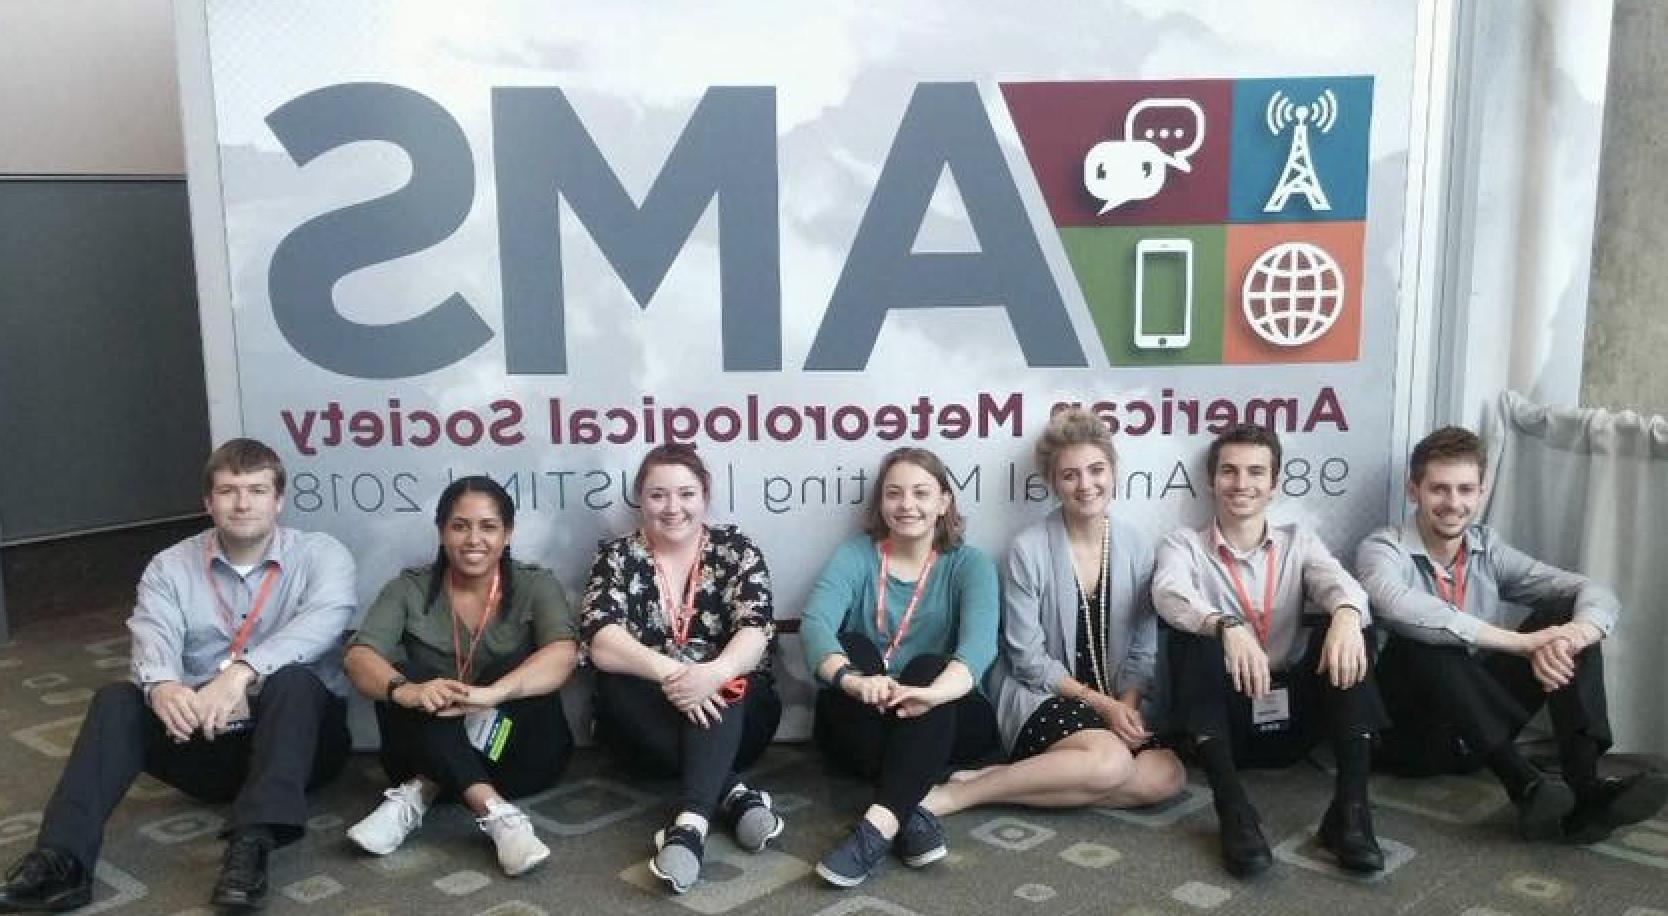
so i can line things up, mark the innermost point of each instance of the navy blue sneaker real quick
(847, 864)
(920, 840)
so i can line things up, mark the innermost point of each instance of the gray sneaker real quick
(752, 822)
(678, 861)
(847, 864)
(920, 841)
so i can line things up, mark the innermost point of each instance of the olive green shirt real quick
(416, 636)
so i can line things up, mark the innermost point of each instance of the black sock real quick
(258, 831)
(1355, 756)
(1579, 756)
(1515, 773)
(1217, 758)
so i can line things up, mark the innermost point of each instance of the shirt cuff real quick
(148, 676)
(1360, 611)
(263, 663)
(1466, 627)
(1598, 620)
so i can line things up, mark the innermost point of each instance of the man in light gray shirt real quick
(1463, 662)
(1255, 680)
(236, 691)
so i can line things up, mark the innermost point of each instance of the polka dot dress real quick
(1058, 718)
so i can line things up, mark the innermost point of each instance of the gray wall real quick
(102, 407)
(1626, 362)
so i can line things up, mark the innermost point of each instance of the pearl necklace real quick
(1097, 665)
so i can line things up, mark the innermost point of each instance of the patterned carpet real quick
(1449, 840)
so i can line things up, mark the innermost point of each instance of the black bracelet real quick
(840, 675)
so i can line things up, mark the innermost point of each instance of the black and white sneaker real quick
(677, 861)
(750, 818)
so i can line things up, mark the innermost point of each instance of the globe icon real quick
(1293, 294)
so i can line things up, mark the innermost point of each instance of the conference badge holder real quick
(489, 732)
(1271, 713)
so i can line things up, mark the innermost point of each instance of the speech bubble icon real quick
(1176, 126)
(1119, 171)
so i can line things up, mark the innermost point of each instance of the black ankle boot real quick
(1347, 832)
(1244, 850)
(242, 883)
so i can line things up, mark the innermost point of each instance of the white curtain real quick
(1587, 490)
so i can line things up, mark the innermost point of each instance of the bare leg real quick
(965, 775)
(479, 797)
(1087, 768)
(883, 821)
(428, 788)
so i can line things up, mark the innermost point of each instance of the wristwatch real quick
(395, 683)
(1225, 622)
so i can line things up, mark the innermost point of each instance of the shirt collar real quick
(274, 549)
(1218, 543)
(1416, 542)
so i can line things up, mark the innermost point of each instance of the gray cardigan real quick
(1039, 620)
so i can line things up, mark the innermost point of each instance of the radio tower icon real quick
(1298, 176)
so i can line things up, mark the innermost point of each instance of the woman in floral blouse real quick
(678, 619)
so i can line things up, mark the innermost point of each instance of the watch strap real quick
(840, 675)
(394, 683)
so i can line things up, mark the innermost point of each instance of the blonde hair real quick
(1068, 427)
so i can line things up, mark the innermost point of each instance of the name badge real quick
(488, 731)
(1272, 712)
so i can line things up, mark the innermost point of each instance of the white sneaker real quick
(519, 848)
(384, 829)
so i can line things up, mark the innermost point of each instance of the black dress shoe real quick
(1244, 850)
(46, 879)
(1615, 803)
(242, 883)
(1347, 832)
(1541, 809)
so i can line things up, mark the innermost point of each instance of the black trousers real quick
(651, 738)
(904, 758)
(1438, 693)
(540, 745)
(299, 741)
(1206, 705)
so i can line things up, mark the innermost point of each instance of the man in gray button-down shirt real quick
(236, 691)
(1465, 668)
(1249, 687)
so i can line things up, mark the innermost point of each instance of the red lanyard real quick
(1259, 622)
(241, 638)
(679, 619)
(466, 663)
(914, 599)
(1455, 595)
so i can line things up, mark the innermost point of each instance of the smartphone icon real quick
(1163, 294)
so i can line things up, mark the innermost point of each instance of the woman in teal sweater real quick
(900, 629)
